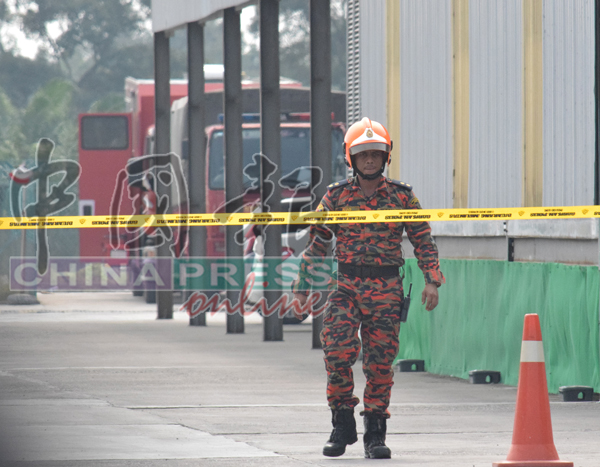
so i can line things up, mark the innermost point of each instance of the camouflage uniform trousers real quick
(373, 305)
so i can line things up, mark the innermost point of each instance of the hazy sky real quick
(28, 47)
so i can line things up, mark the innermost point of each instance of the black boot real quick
(344, 432)
(374, 437)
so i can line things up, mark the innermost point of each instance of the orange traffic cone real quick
(532, 442)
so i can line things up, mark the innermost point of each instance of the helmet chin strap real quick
(373, 176)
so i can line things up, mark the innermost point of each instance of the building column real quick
(234, 149)
(270, 145)
(320, 110)
(196, 145)
(162, 104)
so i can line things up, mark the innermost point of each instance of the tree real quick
(12, 140)
(86, 49)
(50, 115)
(20, 77)
(95, 41)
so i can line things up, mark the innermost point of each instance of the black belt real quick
(368, 271)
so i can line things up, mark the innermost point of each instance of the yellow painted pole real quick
(533, 104)
(393, 81)
(460, 90)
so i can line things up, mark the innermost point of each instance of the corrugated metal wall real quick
(496, 98)
(353, 88)
(495, 133)
(569, 121)
(426, 102)
(372, 60)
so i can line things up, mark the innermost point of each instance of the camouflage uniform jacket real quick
(370, 244)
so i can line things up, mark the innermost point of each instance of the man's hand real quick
(301, 298)
(430, 296)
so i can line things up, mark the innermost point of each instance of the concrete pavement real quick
(96, 380)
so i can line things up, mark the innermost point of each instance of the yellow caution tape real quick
(324, 217)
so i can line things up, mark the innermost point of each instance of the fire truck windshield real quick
(295, 152)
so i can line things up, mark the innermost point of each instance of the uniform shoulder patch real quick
(404, 186)
(339, 184)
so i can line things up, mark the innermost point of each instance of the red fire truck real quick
(109, 142)
(106, 143)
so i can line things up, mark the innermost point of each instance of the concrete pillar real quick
(320, 108)
(162, 103)
(234, 164)
(270, 143)
(197, 144)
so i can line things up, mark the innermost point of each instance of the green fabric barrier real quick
(478, 324)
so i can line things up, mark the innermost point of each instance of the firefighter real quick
(369, 290)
